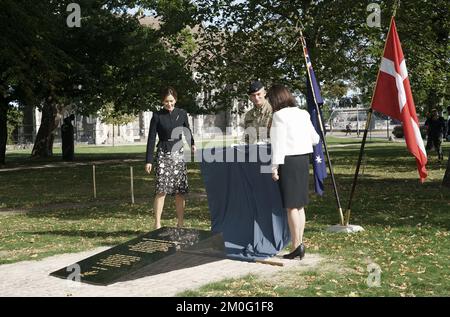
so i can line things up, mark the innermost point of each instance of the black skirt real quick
(294, 181)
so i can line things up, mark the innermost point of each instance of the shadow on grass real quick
(196, 209)
(90, 214)
(88, 234)
(377, 201)
(385, 202)
(22, 159)
(394, 158)
(377, 157)
(171, 263)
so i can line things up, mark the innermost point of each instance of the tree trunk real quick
(446, 180)
(3, 129)
(43, 145)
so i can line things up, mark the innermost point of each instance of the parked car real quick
(398, 131)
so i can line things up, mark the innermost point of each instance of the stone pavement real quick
(169, 276)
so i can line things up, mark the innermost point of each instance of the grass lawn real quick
(406, 223)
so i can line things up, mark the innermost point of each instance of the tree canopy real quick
(110, 59)
(250, 39)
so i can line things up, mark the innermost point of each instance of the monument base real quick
(346, 229)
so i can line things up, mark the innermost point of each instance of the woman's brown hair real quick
(168, 91)
(280, 97)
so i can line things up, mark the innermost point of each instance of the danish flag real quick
(393, 97)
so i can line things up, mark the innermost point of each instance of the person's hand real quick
(275, 176)
(193, 148)
(148, 168)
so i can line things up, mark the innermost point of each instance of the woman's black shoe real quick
(299, 251)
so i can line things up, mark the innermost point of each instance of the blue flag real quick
(319, 165)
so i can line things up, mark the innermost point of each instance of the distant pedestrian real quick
(67, 142)
(348, 129)
(447, 137)
(435, 130)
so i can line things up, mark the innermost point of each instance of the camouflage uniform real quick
(257, 117)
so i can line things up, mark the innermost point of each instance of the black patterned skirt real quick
(171, 173)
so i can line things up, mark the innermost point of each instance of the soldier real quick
(258, 119)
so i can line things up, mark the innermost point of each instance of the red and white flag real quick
(393, 97)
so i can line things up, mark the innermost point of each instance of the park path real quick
(166, 278)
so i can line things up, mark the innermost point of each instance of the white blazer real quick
(292, 133)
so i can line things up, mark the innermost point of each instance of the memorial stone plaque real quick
(108, 266)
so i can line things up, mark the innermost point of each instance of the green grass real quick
(41, 187)
(406, 223)
(88, 153)
(332, 140)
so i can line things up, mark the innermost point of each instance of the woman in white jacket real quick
(292, 136)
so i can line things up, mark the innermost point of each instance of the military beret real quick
(255, 86)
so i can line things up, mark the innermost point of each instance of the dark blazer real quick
(163, 123)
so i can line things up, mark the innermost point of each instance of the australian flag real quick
(319, 166)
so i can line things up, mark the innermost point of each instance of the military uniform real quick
(257, 118)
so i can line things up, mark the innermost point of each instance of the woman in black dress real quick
(292, 136)
(169, 124)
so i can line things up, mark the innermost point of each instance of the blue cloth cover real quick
(244, 203)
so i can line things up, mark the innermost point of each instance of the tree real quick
(335, 91)
(110, 59)
(244, 40)
(260, 39)
(26, 59)
(423, 28)
(15, 117)
(109, 115)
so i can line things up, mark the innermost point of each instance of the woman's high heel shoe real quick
(299, 251)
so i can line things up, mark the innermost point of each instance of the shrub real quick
(398, 131)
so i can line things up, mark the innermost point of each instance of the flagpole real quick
(319, 117)
(358, 165)
(394, 11)
(366, 130)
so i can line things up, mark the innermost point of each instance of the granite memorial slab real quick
(110, 265)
